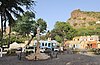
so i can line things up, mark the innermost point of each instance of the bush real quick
(75, 51)
(97, 52)
(91, 50)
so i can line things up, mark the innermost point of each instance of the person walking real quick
(19, 53)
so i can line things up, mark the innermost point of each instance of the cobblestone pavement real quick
(63, 59)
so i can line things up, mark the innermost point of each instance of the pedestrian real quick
(19, 53)
(61, 49)
(56, 54)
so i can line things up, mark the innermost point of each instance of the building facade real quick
(84, 42)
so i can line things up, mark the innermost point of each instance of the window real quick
(48, 44)
(78, 39)
(52, 44)
(42, 44)
(45, 44)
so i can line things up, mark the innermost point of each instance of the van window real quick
(45, 44)
(42, 44)
(48, 44)
(30, 47)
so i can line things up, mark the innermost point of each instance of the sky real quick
(60, 10)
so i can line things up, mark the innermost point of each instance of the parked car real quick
(30, 49)
(42, 50)
(57, 48)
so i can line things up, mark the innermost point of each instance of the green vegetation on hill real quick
(85, 22)
(92, 14)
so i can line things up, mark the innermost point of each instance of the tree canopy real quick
(26, 24)
(63, 30)
(42, 24)
(10, 9)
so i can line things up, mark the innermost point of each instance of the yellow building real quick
(83, 42)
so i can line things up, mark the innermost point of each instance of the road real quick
(63, 59)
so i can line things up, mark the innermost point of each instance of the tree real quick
(39, 26)
(24, 24)
(58, 38)
(42, 24)
(9, 7)
(63, 30)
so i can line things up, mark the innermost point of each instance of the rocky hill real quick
(83, 18)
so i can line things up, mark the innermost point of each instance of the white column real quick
(0, 52)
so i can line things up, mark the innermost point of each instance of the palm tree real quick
(9, 7)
